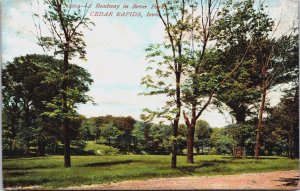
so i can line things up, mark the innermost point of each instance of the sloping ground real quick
(287, 180)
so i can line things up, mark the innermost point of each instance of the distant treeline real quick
(148, 138)
(136, 137)
(32, 120)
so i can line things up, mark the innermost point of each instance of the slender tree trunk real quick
(260, 120)
(203, 147)
(27, 147)
(54, 149)
(176, 120)
(13, 134)
(41, 147)
(175, 146)
(295, 130)
(67, 149)
(198, 150)
(290, 142)
(12, 138)
(66, 127)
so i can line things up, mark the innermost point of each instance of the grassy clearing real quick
(50, 173)
(100, 149)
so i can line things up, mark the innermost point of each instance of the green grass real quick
(100, 149)
(50, 173)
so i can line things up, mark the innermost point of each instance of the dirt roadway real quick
(288, 180)
(280, 180)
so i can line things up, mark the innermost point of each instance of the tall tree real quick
(65, 26)
(283, 123)
(170, 62)
(29, 90)
(234, 31)
(278, 62)
(202, 82)
(197, 84)
(24, 94)
(263, 66)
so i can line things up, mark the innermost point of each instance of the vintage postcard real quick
(150, 94)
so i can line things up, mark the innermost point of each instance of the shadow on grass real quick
(109, 163)
(14, 174)
(29, 168)
(26, 181)
(21, 157)
(289, 181)
(190, 170)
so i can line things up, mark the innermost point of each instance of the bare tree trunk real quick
(13, 134)
(41, 148)
(174, 146)
(27, 151)
(290, 141)
(190, 144)
(191, 135)
(260, 120)
(176, 121)
(67, 152)
(295, 128)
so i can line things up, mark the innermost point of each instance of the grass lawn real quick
(100, 149)
(50, 173)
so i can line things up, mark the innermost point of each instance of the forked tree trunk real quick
(191, 134)
(190, 144)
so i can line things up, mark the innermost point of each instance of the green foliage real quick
(202, 130)
(31, 84)
(116, 131)
(221, 141)
(65, 28)
(286, 52)
(79, 82)
(238, 32)
(140, 132)
(203, 133)
(283, 126)
(88, 130)
(243, 136)
(110, 132)
(167, 60)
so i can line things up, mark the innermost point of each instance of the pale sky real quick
(116, 55)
